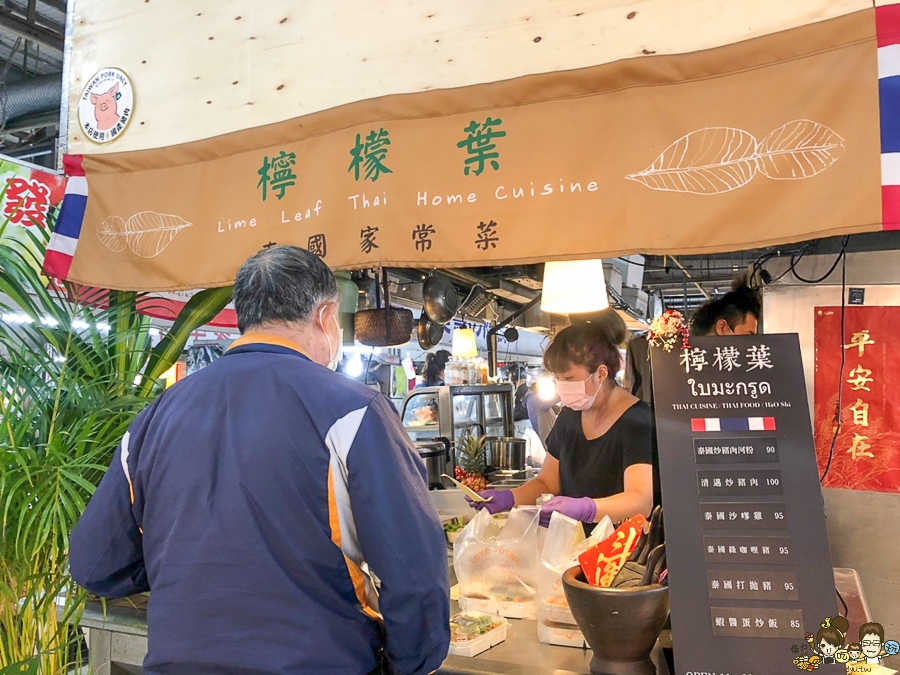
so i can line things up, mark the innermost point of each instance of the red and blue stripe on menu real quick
(708, 424)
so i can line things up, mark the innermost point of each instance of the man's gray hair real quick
(284, 284)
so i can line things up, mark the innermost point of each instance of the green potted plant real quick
(72, 378)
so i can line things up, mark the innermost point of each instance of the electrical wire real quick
(841, 259)
(757, 268)
(796, 256)
(841, 256)
(837, 429)
(783, 274)
(841, 598)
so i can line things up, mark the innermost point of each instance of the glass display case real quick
(448, 411)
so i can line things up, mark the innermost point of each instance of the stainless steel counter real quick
(118, 643)
(523, 654)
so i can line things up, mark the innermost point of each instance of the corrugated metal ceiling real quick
(35, 59)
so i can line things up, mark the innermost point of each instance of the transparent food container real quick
(472, 633)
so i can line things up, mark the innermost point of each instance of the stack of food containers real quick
(563, 543)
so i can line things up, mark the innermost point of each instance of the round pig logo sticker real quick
(106, 105)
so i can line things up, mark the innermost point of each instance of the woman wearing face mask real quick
(600, 451)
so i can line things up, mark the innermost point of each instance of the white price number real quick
(779, 515)
(783, 550)
(795, 623)
(770, 449)
(789, 586)
(773, 481)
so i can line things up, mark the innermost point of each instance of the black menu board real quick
(749, 566)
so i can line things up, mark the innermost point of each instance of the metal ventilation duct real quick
(31, 96)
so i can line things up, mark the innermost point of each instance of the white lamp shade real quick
(574, 287)
(464, 345)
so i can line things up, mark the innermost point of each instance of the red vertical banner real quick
(29, 201)
(867, 451)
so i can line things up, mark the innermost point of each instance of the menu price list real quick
(733, 495)
(743, 516)
(752, 585)
(763, 482)
(749, 622)
(743, 550)
(736, 450)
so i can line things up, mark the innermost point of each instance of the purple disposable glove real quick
(577, 508)
(503, 500)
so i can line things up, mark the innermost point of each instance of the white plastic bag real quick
(563, 543)
(497, 567)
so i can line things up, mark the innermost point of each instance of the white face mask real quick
(574, 394)
(335, 354)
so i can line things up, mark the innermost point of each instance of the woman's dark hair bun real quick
(734, 306)
(841, 624)
(740, 283)
(610, 322)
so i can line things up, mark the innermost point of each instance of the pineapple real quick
(470, 462)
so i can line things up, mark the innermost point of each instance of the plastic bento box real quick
(472, 633)
(511, 608)
(556, 610)
(561, 635)
(453, 528)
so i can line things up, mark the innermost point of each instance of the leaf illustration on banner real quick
(798, 150)
(721, 159)
(112, 234)
(149, 233)
(705, 162)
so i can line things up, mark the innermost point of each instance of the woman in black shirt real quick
(600, 451)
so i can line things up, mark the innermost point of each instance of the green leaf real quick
(200, 309)
(27, 667)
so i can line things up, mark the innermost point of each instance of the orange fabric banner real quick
(768, 141)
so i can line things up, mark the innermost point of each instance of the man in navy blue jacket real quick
(262, 497)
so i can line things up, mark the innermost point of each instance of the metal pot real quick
(506, 453)
(436, 455)
(429, 333)
(440, 299)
